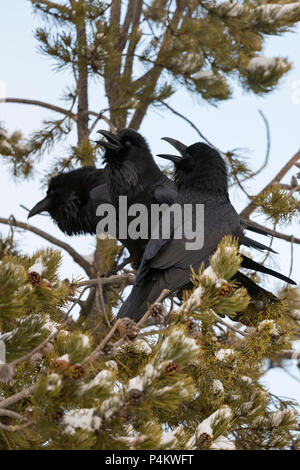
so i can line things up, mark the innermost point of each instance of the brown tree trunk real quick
(82, 81)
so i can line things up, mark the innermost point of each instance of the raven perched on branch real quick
(201, 178)
(132, 172)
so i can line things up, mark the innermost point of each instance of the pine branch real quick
(267, 157)
(12, 414)
(128, 279)
(57, 109)
(274, 233)
(115, 12)
(41, 104)
(150, 78)
(252, 206)
(182, 116)
(98, 350)
(18, 396)
(68, 248)
(63, 9)
(289, 354)
(53, 335)
(138, 8)
(126, 25)
(4, 427)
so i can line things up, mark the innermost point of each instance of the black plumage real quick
(69, 202)
(201, 178)
(132, 172)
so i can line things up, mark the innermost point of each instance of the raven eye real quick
(127, 144)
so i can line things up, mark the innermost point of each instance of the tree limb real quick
(12, 414)
(68, 248)
(274, 233)
(18, 396)
(252, 206)
(151, 77)
(126, 25)
(41, 104)
(117, 279)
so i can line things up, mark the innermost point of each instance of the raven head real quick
(199, 165)
(67, 198)
(127, 144)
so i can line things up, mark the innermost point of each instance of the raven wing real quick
(164, 193)
(167, 264)
(100, 195)
(219, 220)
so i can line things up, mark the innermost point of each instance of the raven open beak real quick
(174, 158)
(43, 205)
(176, 144)
(113, 142)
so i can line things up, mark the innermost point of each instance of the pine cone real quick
(171, 367)
(259, 305)
(173, 316)
(204, 440)
(226, 289)
(135, 396)
(57, 416)
(158, 312)
(34, 278)
(76, 371)
(127, 327)
(192, 329)
(125, 415)
(60, 365)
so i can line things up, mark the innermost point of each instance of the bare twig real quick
(220, 320)
(268, 145)
(19, 427)
(102, 303)
(117, 268)
(289, 354)
(116, 279)
(12, 414)
(97, 351)
(182, 116)
(41, 104)
(18, 396)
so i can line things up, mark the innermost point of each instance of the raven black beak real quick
(43, 205)
(174, 158)
(113, 142)
(176, 144)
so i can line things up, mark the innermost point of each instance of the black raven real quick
(69, 203)
(132, 172)
(201, 178)
(213, 174)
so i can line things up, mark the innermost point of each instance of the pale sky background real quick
(233, 124)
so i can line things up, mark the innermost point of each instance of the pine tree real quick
(192, 379)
